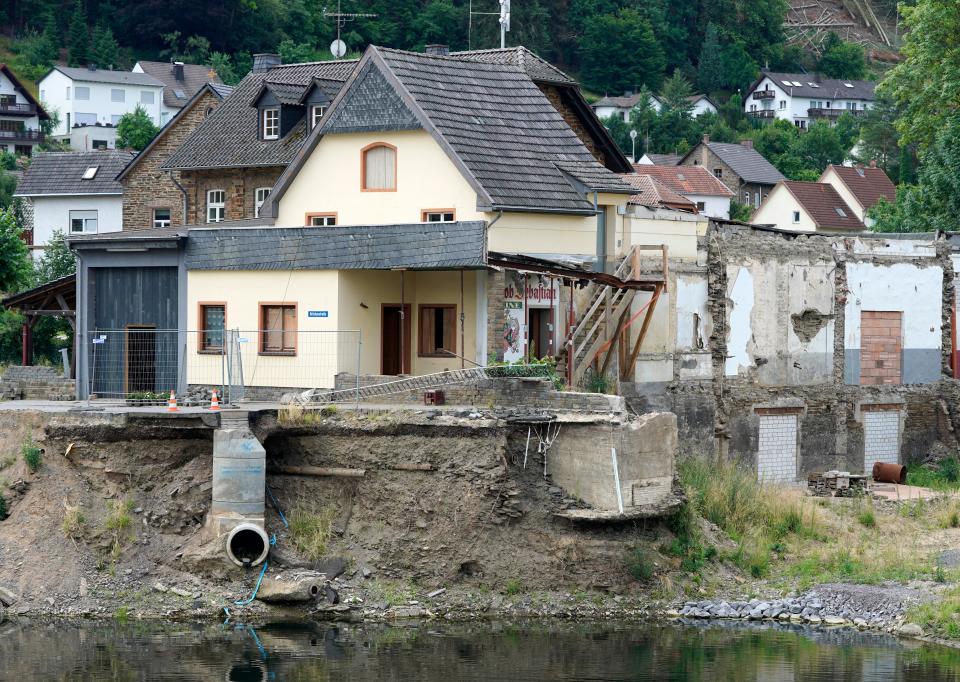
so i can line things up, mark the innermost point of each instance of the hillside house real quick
(73, 192)
(651, 159)
(152, 197)
(180, 83)
(20, 116)
(90, 102)
(710, 196)
(860, 187)
(621, 106)
(807, 207)
(738, 166)
(804, 98)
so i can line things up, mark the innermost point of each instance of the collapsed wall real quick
(825, 351)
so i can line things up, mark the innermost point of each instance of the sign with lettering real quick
(541, 291)
(318, 313)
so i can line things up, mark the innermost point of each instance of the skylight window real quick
(840, 212)
(812, 85)
(859, 171)
(90, 172)
(848, 85)
(180, 94)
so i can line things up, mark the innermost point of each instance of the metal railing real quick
(142, 364)
(17, 108)
(26, 135)
(765, 94)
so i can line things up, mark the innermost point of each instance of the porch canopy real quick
(57, 298)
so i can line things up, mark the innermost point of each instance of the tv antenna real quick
(504, 21)
(338, 48)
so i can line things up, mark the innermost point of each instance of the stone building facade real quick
(239, 184)
(146, 186)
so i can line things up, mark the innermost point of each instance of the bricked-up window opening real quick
(271, 124)
(260, 197)
(321, 219)
(213, 317)
(379, 166)
(216, 203)
(438, 326)
(278, 324)
(881, 437)
(881, 347)
(438, 216)
(777, 451)
(161, 217)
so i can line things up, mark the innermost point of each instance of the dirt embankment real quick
(111, 520)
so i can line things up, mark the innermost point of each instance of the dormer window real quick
(316, 113)
(378, 163)
(271, 124)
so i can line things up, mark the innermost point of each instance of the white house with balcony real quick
(73, 192)
(90, 102)
(20, 116)
(803, 98)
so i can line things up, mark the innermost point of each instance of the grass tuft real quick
(867, 517)
(640, 563)
(32, 455)
(74, 523)
(513, 587)
(310, 528)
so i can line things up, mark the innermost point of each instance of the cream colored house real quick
(807, 207)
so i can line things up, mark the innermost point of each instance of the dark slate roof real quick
(503, 129)
(286, 93)
(746, 162)
(663, 159)
(228, 137)
(538, 69)
(223, 90)
(817, 86)
(373, 247)
(104, 76)
(624, 101)
(195, 76)
(824, 205)
(328, 87)
(371, 104)
(62, 173)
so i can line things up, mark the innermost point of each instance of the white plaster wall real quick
(53, 213)
(53, 95)
(81, 139)
(741, 296)
(702, 106)
(713, 206)
(904, 287)
(894, 247)
(777, 210)
(694, 327)
(53, 90)
(676, 229)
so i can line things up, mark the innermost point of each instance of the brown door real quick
(394, 344)
(541, 320)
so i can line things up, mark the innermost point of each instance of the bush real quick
(640, 564)
(513, 587)
(867, 518)
(3, 507)
(32, 455)
(310, 529)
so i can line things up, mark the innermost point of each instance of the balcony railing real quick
(765, 94)
(22, 135)
(821, 112)
(762, 113)
(23, 109)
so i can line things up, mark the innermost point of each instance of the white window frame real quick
(216, 205)
(161, 222)
(756, 199)
(439, 216)
(271, 128)
(118, 92)
(325, 220)
(88, 221)
(783, 104)
(316, 115)
(796, 217)
(259, 197)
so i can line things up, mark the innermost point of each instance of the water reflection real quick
(481, 652)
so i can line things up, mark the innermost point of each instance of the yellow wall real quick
(374, 288)
(320, 352)
(329, 181)
(665, 227)
(777, 210)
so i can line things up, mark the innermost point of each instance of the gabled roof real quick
(868, 185)
(746, 162)
(686, 179)
(662, 159)
(229, 138)
(216, 90)
(12, 77)
(817, 86)
(176, 93)
(61, 173)
(653, 193)
(492, 120)
(538, 69)
(286, 93)
(104, 76)
(328, 87)
(693, 99)
(623, 101)
(824, 206)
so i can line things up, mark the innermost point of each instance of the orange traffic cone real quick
(214, 402)
(172, 403)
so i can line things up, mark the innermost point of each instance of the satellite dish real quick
(338, 48)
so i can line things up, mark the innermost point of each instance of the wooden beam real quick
(632, 362)
(315, 471)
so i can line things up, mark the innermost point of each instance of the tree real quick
(105, 51)
(223, 65)
(620, 52)
(16, 270)
(815, 149)
(296, 53)
(57, 261)
(739, 69)
(135, 129)
(710, 65)
(841, 59)
(926, 85)
(78, 36)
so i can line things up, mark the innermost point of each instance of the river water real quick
(451, 653)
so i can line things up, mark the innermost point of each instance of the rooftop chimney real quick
(437, 50)
(91, 66)
(264, 61)
(747, 143)
(178, 70)
(706, 139)
(873, 163)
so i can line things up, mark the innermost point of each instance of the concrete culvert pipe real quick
(247, 545)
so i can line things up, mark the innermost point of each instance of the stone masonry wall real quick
(35, 383)
(240, 185)
(148, 186)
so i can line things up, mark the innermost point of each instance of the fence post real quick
(359, 345)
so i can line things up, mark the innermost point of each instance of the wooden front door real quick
(395, 339)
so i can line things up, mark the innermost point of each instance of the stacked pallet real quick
(836, 484)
